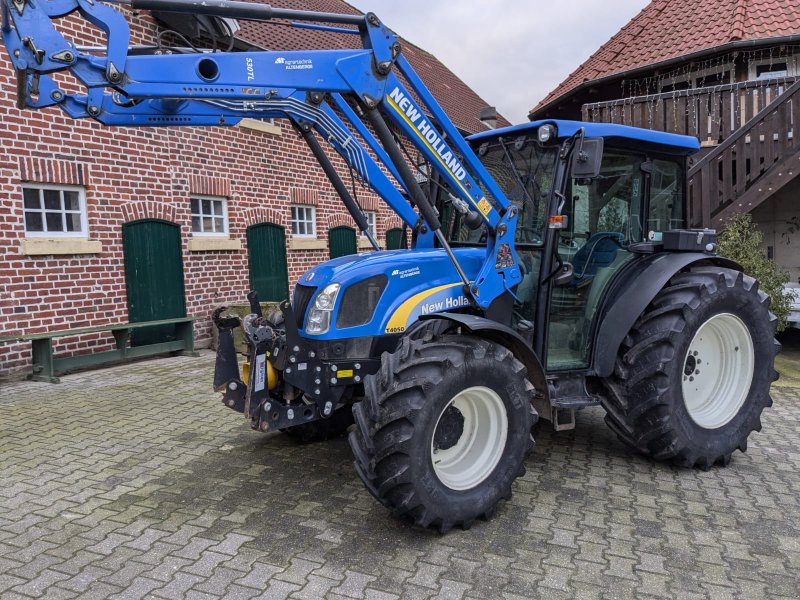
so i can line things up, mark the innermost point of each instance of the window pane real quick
(31, 198)
(54, 222)
(52, 199)
(207, 226)
(195, 206)
(206, 207)
(196, 225)
(219, 226)
(218, 207)
(33, 221)
(71, 200)
(666, 196)
(73, 222)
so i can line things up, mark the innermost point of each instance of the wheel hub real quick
(718, 371)
(449, 429)
(469, 438)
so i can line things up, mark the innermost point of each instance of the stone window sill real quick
(213, 244)
(363, 244)
(301, 243)
(59, 246)
(258, 125)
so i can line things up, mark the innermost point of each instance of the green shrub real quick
(740, 240)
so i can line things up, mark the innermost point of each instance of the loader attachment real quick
(226, 368)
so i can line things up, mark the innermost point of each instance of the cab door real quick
(605, 216)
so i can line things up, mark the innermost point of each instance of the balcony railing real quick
(710, 114)
(749, 166)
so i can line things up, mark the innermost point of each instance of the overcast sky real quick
(511, 52)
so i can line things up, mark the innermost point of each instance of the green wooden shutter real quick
(394, 238)
(153, 277)
(269, 275)
(342, 241)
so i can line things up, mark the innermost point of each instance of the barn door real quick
(342, 241)
(153, 277)
(394, 238)
(269, 276)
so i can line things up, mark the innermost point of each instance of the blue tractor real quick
(547, 266)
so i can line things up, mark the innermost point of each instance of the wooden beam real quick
(767, 186)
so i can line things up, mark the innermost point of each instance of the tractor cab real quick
(623, 187)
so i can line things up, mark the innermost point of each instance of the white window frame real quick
(372, 223)
(225, 224)
(83, 233)
(792, 67)
(312, 221)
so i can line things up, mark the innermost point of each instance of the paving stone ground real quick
(136, 482)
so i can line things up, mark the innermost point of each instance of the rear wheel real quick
(444, 429)
(693, 375)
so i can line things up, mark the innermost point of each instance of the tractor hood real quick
(413, 283)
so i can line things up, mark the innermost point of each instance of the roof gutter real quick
(728, 47)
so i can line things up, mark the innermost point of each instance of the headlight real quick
(319, 317)
(546, 133)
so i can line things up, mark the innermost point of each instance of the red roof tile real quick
(667, 29)
(460, 102)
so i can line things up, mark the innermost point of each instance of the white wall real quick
(779, 220)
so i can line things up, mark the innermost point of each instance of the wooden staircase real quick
(750, 165)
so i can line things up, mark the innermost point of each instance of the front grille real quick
(359, 302)
(302, 296)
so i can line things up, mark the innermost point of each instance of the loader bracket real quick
(226, 368)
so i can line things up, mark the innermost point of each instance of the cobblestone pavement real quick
(135, 481)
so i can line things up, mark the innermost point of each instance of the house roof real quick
(670, 29)
(458, 100)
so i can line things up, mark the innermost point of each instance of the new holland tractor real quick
(547, 266)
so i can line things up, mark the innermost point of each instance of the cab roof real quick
(670, 142)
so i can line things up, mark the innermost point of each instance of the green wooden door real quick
(153, 277)
(394, 238)
(269, 275)
(342, 241)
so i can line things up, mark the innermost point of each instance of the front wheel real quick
(693, 376)
(444, 429)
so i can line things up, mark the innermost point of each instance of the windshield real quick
(524, 171)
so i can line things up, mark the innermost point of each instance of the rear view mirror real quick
(587, 158)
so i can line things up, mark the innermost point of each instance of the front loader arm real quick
(317, 90)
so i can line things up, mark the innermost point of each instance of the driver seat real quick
(598, 252)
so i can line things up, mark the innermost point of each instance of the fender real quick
(630, 295)
(510, 339)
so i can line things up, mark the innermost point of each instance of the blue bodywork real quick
(419, 282)
(669, 142)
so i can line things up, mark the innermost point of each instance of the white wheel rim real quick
(718, 371)
(475, 454)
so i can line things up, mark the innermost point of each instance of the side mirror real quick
(587, 159)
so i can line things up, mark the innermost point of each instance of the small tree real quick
(740, 241)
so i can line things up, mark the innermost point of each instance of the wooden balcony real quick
(748, 130)
(710, 114)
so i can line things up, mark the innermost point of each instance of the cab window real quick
(604, 218)
(666, 196)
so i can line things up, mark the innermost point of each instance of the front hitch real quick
(307, 389)
(226, 368)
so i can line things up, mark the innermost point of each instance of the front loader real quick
(549, 267)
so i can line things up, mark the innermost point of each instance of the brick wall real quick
(130, 174)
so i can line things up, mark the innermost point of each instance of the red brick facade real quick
(131, 174)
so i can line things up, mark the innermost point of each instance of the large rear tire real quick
(444, 429)
(693, 376)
